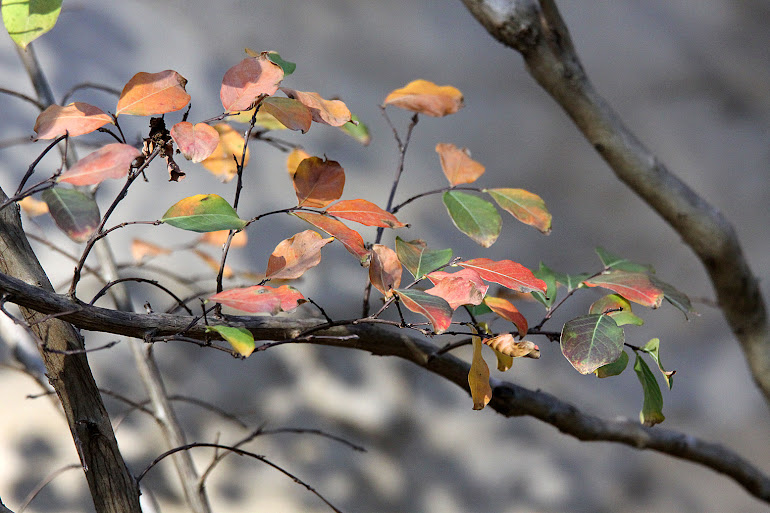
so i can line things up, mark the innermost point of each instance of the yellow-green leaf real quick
(240, 339)
(203, 213)
(26, 20)
(475, 217)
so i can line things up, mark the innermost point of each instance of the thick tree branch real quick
(538, 32)
(508, 398)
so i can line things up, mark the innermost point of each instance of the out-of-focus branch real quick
(537, 31)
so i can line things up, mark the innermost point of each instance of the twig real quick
(42, 484)
(154, 283)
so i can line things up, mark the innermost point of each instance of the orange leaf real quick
(527, 207)
(110, 161)
(384, 269)
(507, 273)
(349, 238)
(506, 310)
(328, 112)
(434, 308)
(219, 238)
(261, 299)
(141, 248)
(33, 207)
(636, 287)
(245, 82)
(294, 159)
(291, 113)
(457, 164)
(461, 288)
(364, 212)
(150, 94)
(220, 162)
(214, 263)
(318, 182)
(478, 378)
(196, 142)
(427, 98)
(76, 119)
(295, 255)
(506, 344)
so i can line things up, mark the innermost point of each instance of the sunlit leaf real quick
(150, 94)
(295, 255)
(506, 344)
(547, 297)
(614, 368)
(357, 130)
(263, 121)
(349, 238)
(33, 207)
(203, 213)
(241, 339)
(478, 378)
(245, 82)
(464, 287)
(196, 142)
(221, 162)
(364, 212)
(634, 286)
(616, 307)
(214, 263)
(506, 310)
(418, 259)
(457, 164)
(261, 299)
(287, 67)
(475, 217)
(591, 341)
(327, 112)
(74, 212)
(290, 113)
(141, 249)
(318, 182)
(434, 308)
(507, 273)
(75, 119)
(110, 161)
(622, 264)
(26, 20)
(527, 207)
(219, 238)
(294, 159)
(384, 269)
(653, 349)
(652, 408)
(425, 97)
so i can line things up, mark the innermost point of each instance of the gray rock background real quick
(691, 78)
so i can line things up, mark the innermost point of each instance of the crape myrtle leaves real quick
(384, 269)
(327, 112)
(461, 288)
(203, 213)
(287, 66)
(219, 238)
(263, 121)
(74, 212)
(245, 82)
(29, 19)
(290, 113)
(507, 273)
(610, 260)
(614, 368)
(634, 286)
(357, 130)
(261, 299)
(196, 142)
(296, 156)
(75, 119)
(241, 339)
(318, 182)
(140, 249)
(33, 207)
(505, 309)
(295, 255)
(110, 161)
(652, 408)
(653, 349)
(418, 259)
(434, 308)
(527, 207)
(475, 217)
(507, 345)
(221, 163)
(674, 296)
(349, 238)
(425, 97)
(478, 378)
(151, 94)
(364, 212)
(547, 297)
(590, 341)
(457, 164)
(618, 308)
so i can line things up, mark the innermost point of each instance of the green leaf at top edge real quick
(475, 217)
(29, 19)
(287, 67)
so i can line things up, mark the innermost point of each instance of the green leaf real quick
(653, 349)
(74, 212)
(203, 213)
(418, 259)
(240, 339)
(620, 263)
(652, 408)
(287, 67)
(549, 277)
(357, 130)
(618, 308)
(590, 341)
(675, 297)
(26, 20)
(477, 310)
(571, 281)
(436, 309)
(475, 217)
(614, 368)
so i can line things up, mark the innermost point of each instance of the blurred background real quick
(690, 78)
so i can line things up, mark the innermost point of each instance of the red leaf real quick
(328, 112)
(150, 94)
(76, 119)
(457, 164)
(245, 82)
(261, 299)
(295, 255)
(364, 212)
(196, 142)
(507, 273)
(506, 310)
(110, 161)
(436, 309)
(349, 238)
(384, 269)
(636, 287)
(318, 182)
(291, 113)
(461, 288)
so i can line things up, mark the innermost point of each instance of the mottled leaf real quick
(475, 217)
(527, 207)
(327, 112)
(290, 113)
(434, 308)
(349, 238)
(364, 212)
(261, 299)
(384, 269)
(318, 182)
(74, 212)
(507, 273)
(506, 310)
(150, 94)
(75, 119)
(221, 162)
(26, 20)
(203, 213)
(591, 341)
(634, 286)
(418, 259)
(196, 142)
(241, 339)
(425, 97)
(295, 255)
(457, 164)
(110, 161)
(245, 82)
(652, 408)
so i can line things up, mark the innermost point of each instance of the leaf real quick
(475, 217)
(214, 263)
(349, 238)
(384, 269)
(426, 97)
(327, 112)
(674, 296)
(287, 67)
(478, 378)
(614, 368)
(141, 249)
(634, 286)
(506, 310)
(219, 238)
(571, 281)
(33, 207)
(418, 259)
(547, 297)
(203, 213)
(357, 130)
(457, 164)
(196, 142)
(478, 310)
(464, 287)
(261, 299)
(110, 161)
(150, 94)
(437, 311)
(26, 20)
(263, 121)
(294, 159)
(318, 182)
(295, 255)
(506, 344)
(245, 82)
(290, 113)
(221, 162)
(527, 207)
(622, 264)
(364, 212)
(507, 273)
(591, 341)
(653, 349)
(652, 408)
(241, 339)
(616, 307)
(75, 119)
(504, 362)
(74, 212)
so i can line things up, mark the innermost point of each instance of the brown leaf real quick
(318, 182)
(384, 269)
(328, 112)
(220, 162)
(295, 255)
(290, 113)
(150, 94)
(426, 97)
(349, 238)
(76, 119)
(457, 164)
(245, 82)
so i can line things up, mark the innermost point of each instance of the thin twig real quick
(42, 484)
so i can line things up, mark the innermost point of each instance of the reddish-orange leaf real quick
(220, 162)
(295, 255)
(196, 142)
(318, 182)
(150, 94)
(426, 97)
(507, 273)
(245, 82)
(110, 161)
(328, 112)
(349, 238)
(384, 269)
(76, 119)
(457, 164)
(527, 207)
(507, 345)
(296, 156)
(291, 113)
(478, 378)
(141, 249)
(464, 287)
(636, 287)
(33, 207)
(214, 263)
(219, 238)
(506, 310)
(364, 212)
(436, 309)
(261, 299)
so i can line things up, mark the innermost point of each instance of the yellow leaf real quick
(428, 98)
(296, 156)
(221, 162)
(478, 378)
(33, 207)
